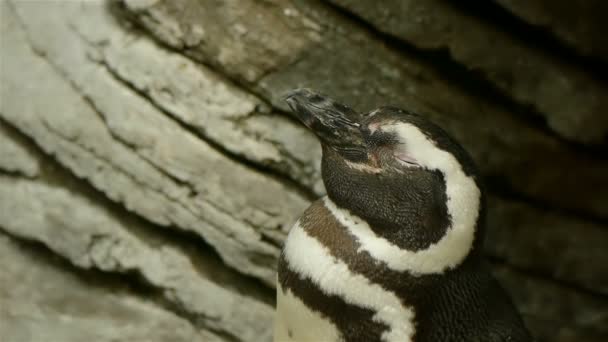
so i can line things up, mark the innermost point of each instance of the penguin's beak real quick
(335, 124)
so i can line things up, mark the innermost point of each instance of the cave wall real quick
(149, 170)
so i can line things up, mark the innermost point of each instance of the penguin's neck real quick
(430, 234)
(448, 252)
(410, 226)
(411, 215)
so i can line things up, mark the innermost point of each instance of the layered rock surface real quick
(144, 144)
(38, 307)
(579, 24)
(519, 70)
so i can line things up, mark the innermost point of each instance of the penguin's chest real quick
(296, 321)
(328, 291)
(328, 301)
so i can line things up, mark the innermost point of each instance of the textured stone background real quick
(149, 170)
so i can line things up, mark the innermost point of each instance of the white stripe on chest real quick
(309, 258)
(295, 322)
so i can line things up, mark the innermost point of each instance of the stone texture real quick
(42, 301)
(239, 37)
(199, 97)
(528, 75)
(89, 235)
(131, 150)
(580, 24)
(192, 93)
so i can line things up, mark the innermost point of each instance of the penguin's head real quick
(393, 168)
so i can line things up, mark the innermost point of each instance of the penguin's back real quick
(296, 322)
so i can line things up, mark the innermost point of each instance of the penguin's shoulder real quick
(320, 223)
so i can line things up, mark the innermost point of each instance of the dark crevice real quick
(210, 265)
(15, 135)
(269, 239)
(501, 188)
(471, 81)
(535, 37)
(545, 276)
(14, 174)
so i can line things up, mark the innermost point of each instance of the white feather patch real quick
(308, 257)
(463, 197)
(294, 321)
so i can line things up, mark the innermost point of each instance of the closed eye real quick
(406, 160)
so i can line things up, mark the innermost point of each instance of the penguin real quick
(393, 251)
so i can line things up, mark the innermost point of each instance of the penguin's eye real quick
(353, 154)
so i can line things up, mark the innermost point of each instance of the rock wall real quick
(149, 170)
